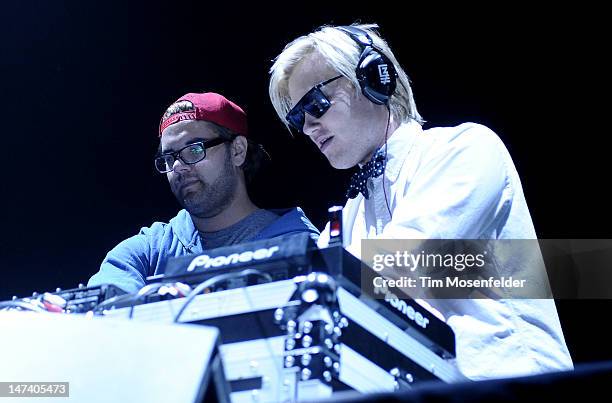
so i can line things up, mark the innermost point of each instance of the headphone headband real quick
(358, 35)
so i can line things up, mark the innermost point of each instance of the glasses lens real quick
(193, 153)
(314, 102)
(164, 163)
(295, 117)
(317, 103)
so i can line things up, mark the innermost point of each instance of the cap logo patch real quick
(178, 107)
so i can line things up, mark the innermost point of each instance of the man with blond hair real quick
(343, 88)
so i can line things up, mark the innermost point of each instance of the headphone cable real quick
(385, 169)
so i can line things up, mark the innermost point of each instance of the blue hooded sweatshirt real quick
(128, 264)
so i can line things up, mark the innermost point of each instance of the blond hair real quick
(341, 53)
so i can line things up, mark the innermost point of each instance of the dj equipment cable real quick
(214, 280)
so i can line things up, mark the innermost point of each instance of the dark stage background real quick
(84, 84)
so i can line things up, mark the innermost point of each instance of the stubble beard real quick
(210, 200)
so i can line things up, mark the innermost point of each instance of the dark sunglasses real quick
(314, 102)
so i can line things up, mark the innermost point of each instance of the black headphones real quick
(376, 74)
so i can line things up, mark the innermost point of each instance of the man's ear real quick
(239, 150)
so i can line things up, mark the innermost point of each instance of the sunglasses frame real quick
(298, 112)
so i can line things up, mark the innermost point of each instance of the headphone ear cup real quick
(376, 75)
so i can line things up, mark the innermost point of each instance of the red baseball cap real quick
(208, 106)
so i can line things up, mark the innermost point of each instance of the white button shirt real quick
(460, 183)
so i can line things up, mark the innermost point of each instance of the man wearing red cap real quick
(205, 154)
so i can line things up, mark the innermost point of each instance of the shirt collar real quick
(399, 145)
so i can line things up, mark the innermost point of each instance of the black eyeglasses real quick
(190, 154)
(314, 102)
